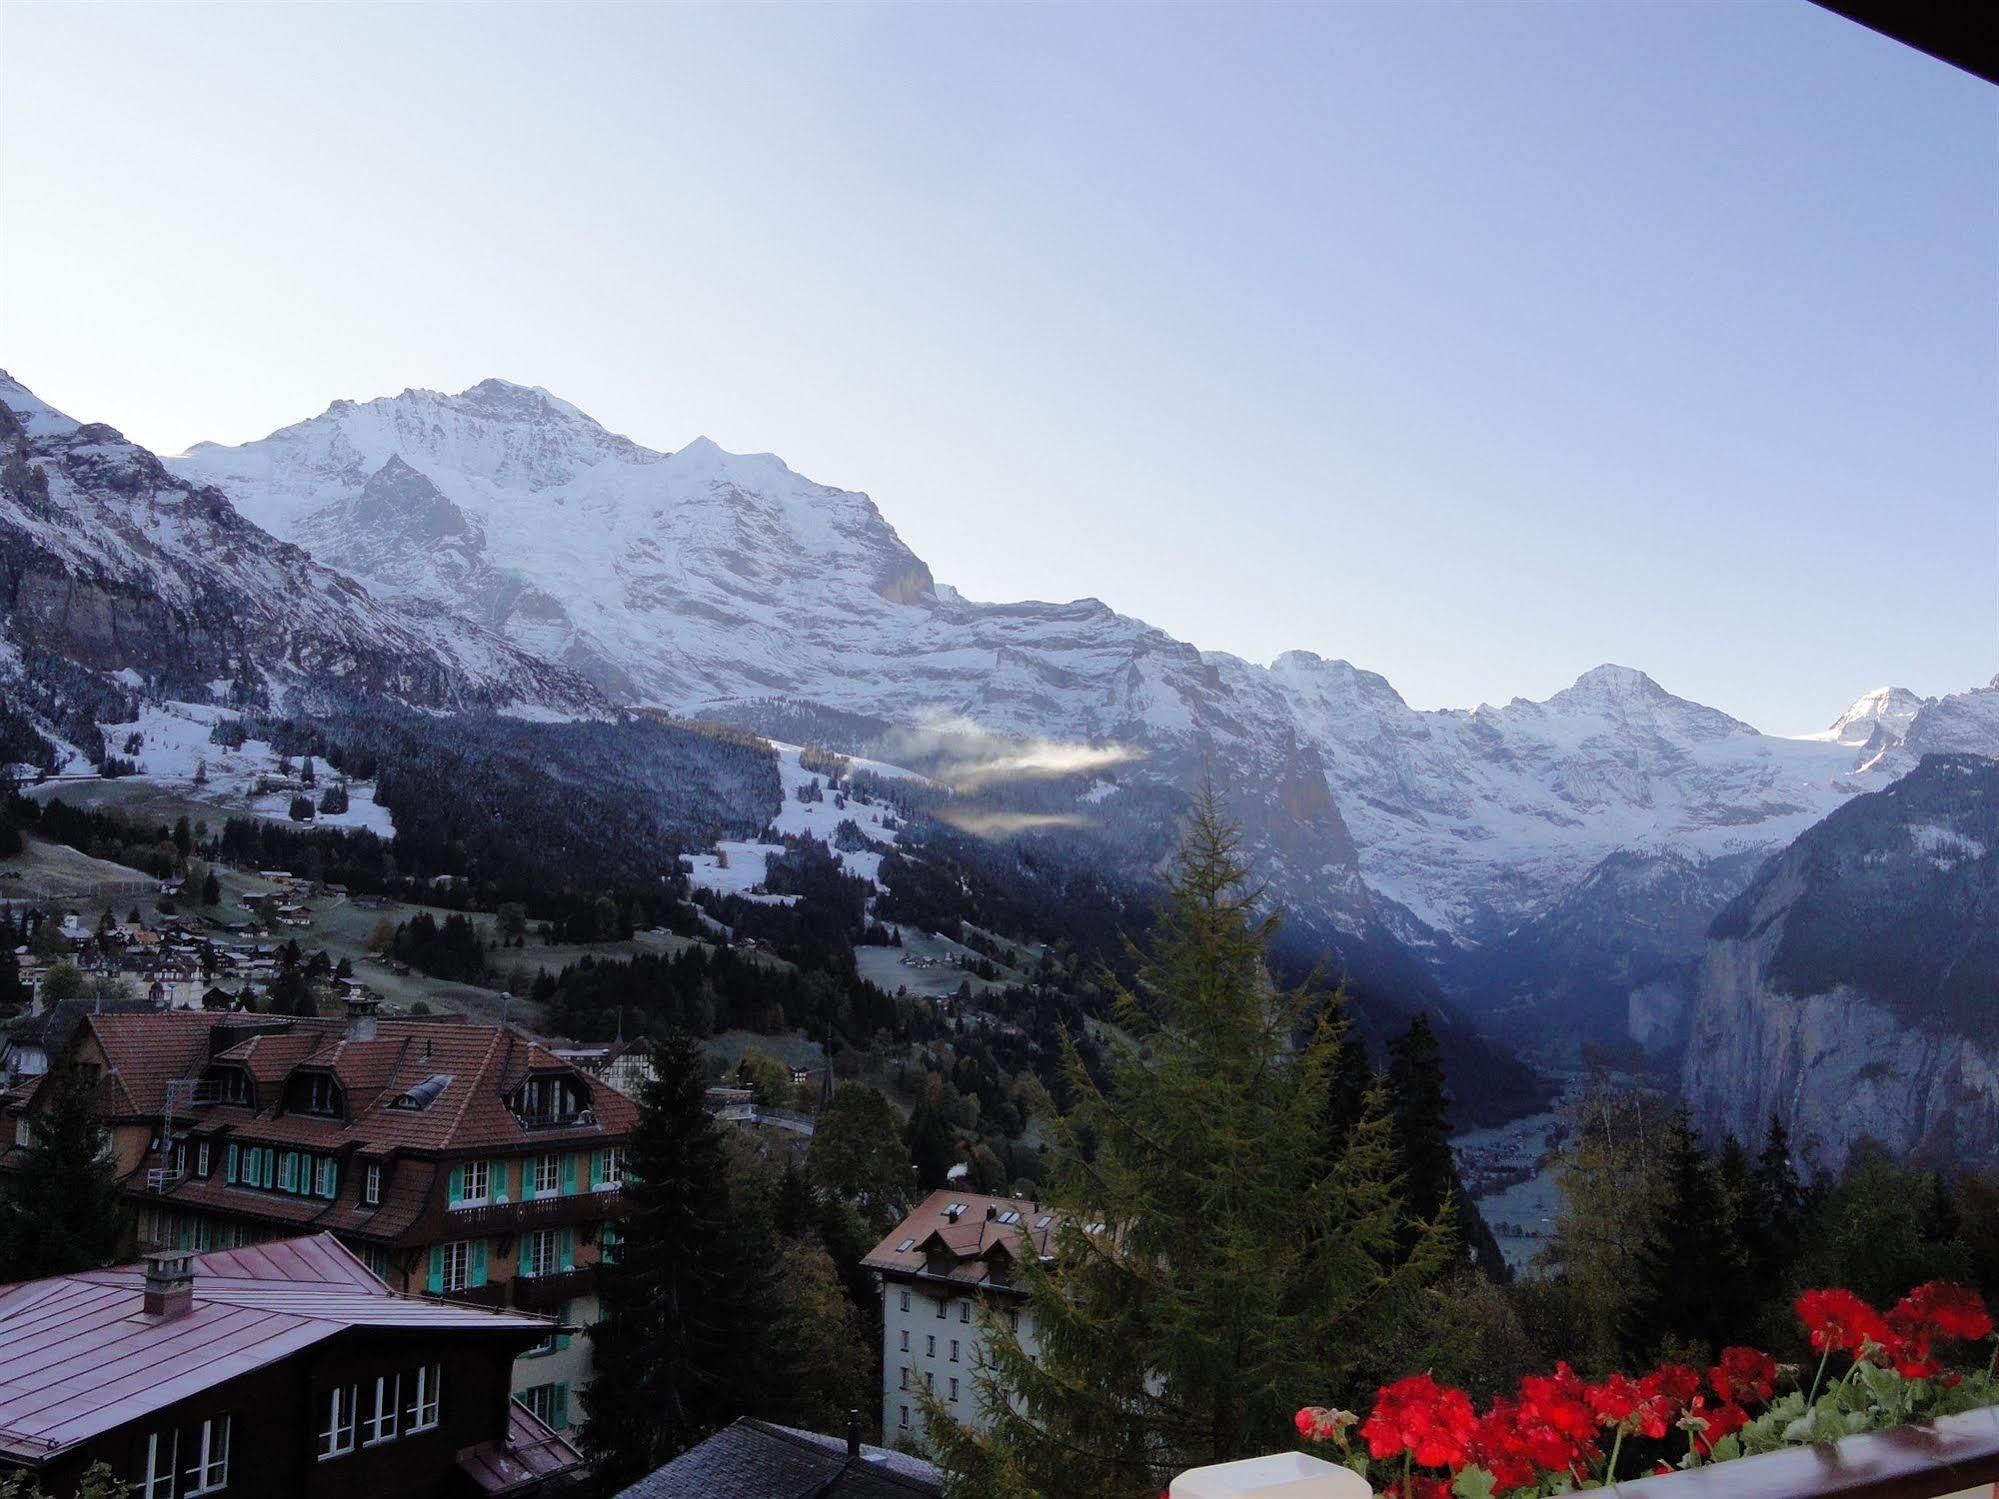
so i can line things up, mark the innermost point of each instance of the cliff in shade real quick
(111, 564)
(1853, 988)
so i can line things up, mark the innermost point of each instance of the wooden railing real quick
(1956, 1457)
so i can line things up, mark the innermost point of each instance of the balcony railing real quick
(545, 1293)
(1954, 1457)
(535, 1212)
(493, 1294)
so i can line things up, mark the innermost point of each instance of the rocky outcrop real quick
(1853, 988)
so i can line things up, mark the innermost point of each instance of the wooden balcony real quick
(546, 1293)
(493, 1294)
(535, 1212)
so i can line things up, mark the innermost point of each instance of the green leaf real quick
(1472, 1483)
(1728, 1447)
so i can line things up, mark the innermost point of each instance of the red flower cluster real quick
(1551, 1428)
(1745, 1375)
(1840, 1321)
(1423, 1418)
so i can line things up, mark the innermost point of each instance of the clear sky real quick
(1477, 344)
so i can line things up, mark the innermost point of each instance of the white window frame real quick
(954, 1390)
(479, 1172)
(965, 1311)
(905, 1300)
(538, 1241)
(905, 1378)
(548, 1176)
(424, 1406)
(614, 1169)
(930, 1345)
(455, 1268)
(336, 1437)
(209, 1473)
(371, 1184)
(202, 1158)
(159, 1483)
(954, 1350)
(904, 1421)
(385, 1419)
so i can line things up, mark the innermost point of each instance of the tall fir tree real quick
(1686, 1253)
(681, 1328)
(1213, 1265)
(59, 1207)
(1778, 1214)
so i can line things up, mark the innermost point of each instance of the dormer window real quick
(422, 1095)
(315, 1093)
(223, 1085)
(551, 1100)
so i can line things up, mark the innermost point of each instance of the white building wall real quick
(918, 1344)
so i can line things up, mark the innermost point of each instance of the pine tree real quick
(211, 890)
(671, 1348)
(933, 1145)
(59, 1209)
(1214, 1267)
(1778, 1215)
(1686, 1252)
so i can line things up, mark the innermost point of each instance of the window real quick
(162, 1464)
(319, 1094)
(383, 1419)
(547, 1175)
(371, 1184)
(201, 1158)
(905, 1377)
(954, 1350)
(457, 1266)
(903, 1421)
(954, 1389)
(336, 1437)
(22, 1131)
(929, 1383)
(1009, 1216)
(905, 1340)
(326, 1178)
(905, 1301)
(422, 1386)
(549, 1404)
(903, 1248)
(474, 1181)
(1013, 1321)
(540, 1253)
(611, 1174)
(549, 1100)
(930, 1346)
(208, 1469)
(964, 1311)
(941, 1303)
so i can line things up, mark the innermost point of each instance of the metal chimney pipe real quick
(853, 1433)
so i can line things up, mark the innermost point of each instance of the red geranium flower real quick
(1418, 1416)
(1709, 1424)
(1500, 1447)
(1615, 1399)
(1675, 1383)
(1420, 1487)
(1318, 1423)
(1744, 1375)
(1950, 1309)
(1840, 1320)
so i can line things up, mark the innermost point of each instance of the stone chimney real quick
(361, 1016)
(169, 1284)
(853, 1433)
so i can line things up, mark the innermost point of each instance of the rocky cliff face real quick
(110, 563)
(1853, 988)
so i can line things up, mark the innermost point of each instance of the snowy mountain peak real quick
(1876, 719)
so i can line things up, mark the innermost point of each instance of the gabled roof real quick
(760, 1460)
(969, 1242)
(78, 1357)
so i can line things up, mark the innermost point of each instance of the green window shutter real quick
(476, 1274)
(457, 1185)
(596, 1169)
(229, 1160)
(436, 1283)
(558, 1408)
(565, 1241)
(288, 1172)
(561, 1316)
(502, 1173)
(568, 1172)
(270, 1164)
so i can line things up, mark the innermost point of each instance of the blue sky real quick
(1476, 344)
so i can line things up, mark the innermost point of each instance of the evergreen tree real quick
(1212, 1266)
(858, 1153)
(933, 1145)
(1686, 1253)
(59, 1208)
(672, 1346)
(211, 890)
(1421, 1109)
(1778, 1214)
(1353, 1080)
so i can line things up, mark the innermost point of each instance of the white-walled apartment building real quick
(954, 1250)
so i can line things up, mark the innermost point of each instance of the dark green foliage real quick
(1235, 1271)
(452, 950)
(59, 1207)
(858, 1155)
(1689, 1267)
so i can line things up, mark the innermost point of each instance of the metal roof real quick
(79, 1357)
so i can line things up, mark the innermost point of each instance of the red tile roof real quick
(968, 1242)
(78, 1357)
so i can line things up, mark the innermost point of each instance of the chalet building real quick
(625, 1065)
(284, 1368)
(954, 1252)
(458, 1161)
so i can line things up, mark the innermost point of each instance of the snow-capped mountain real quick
(111, 564)
(704, 581)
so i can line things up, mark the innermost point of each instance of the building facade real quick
(953, 1254)
(285, 1368)
(458, 1161)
